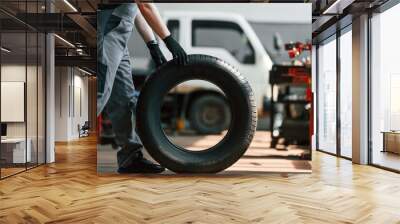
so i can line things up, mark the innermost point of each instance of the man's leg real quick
(116, 94)
(115, 29)
(121, 110)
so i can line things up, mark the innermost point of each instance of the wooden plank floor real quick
(70, 191)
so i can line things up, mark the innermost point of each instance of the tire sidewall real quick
(239, 98)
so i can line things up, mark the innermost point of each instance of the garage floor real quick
(259, 157)
(70, 191)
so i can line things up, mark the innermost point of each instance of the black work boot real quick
(142, 165)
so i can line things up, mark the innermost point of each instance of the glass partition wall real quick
(327, 96)
(22, 88)
(334, 94)
(345, 92)
(385, 90)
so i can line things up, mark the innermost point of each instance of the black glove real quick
(156, 53)
(177, 51)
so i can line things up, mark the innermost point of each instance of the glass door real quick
(385, 89)
(15, 149)
(22, 77)
(327, 94)
(346, 92)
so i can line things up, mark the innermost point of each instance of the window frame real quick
(336, 36)
(205, 23)
(176, 23)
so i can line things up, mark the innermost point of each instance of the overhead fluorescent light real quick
(85, 72)
(80, 51)
(64, 40)
(70, 5)
(337, 7)
(5, 50)
(331, 7)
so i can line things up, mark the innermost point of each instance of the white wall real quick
(61, 103)
(12, 73)
(17, 73)
(80, 109)
(34, 125)
(71, 102)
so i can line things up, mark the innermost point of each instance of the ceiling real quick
(328, 13)
(75, 20)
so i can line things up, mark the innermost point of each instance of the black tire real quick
(209, 114)
(239, 96)
(274, 142)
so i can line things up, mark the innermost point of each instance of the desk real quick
(13, 150)
(391, 141)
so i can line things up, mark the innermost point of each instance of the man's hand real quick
(156, 53)
(177, 51)
(152, 16)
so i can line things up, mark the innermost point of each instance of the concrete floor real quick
(258, 158)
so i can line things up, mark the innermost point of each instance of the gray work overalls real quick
(116, 94)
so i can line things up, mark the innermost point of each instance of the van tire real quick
(240, 99)
(198, 114)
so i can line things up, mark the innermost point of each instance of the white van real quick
(226, 36)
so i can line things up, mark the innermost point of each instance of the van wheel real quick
(239, 97)
(209, 114)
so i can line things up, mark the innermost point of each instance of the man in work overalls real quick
(116, 92)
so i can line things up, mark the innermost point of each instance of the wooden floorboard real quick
(70, 191)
